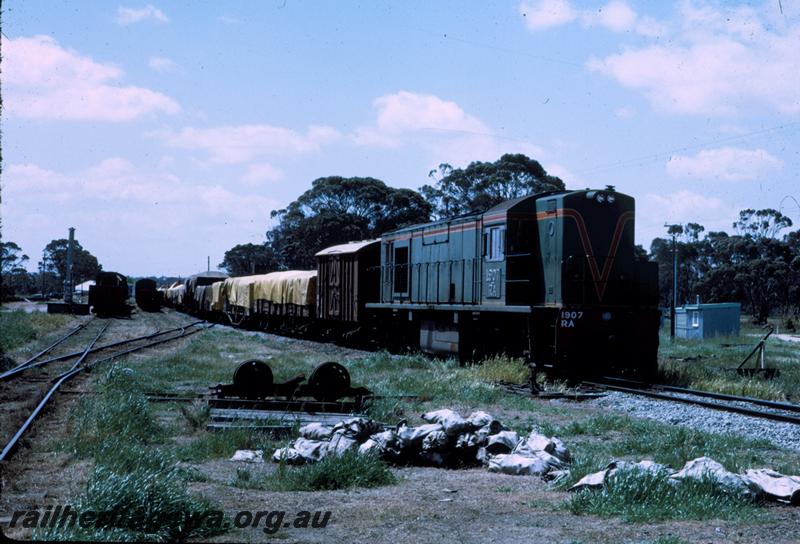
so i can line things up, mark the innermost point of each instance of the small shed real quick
(698, 321)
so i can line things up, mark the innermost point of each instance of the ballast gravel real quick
(783, 435)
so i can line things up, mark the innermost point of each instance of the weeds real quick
(223, 443)
(140, 483)
(343, 472)
(18, 328)
(505, 369)
(639, 496)
(145, 505)
(118, 415)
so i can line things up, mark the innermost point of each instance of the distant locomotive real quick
(147, 295)
(109, 294)
(552, 277)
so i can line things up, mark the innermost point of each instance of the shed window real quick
(495, 243)
(401, 269)
(695, 319)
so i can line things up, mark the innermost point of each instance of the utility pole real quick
(673, 230)
(68, 282)
(41, 273)
(208, 264)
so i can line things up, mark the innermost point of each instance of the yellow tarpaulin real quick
(175, 294)
(297, 287)
(217, 303)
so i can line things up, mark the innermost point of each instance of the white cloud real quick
(121, 210)
(720, 62)
(127, 16)
(161, 64)
(653, 210)
(244, 143)
(725, 164)
(547, 13)
(440, 126)
(42, 80)
(258, 174)
(404, 112)
(616, 16)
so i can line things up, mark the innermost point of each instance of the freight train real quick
(553, 277)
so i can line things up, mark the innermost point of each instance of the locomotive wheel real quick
(329, 381)
(253, 379)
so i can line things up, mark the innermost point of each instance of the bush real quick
(145, 504)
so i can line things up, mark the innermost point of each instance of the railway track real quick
(748, 406)
(109, 352)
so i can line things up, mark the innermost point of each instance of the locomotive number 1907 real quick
(568, 318)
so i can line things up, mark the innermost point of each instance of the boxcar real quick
(348, 276)
(147, 296)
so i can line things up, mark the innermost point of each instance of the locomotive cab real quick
(603, 298)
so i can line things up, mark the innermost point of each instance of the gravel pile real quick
(785, 435)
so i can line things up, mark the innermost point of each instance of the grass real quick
(118, 414)
(640, 496)
(348, 471)
(711, 360)
(135, 475)
(507, 369)
(439, 382)
(223, 443)
(144, 505)
(19, 328)
(598, 440)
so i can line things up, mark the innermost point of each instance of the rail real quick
(79, 367)
(22, 368)
(784, 418)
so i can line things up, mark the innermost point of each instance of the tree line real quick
(52, 269)
(757, 265)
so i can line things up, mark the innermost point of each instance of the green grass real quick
(150, 505)
(223, 443)
(118, 414)
(597, 440)
(505, 369)
(639, 496)
(708, 370)
(19, 328)
(348, 471)
(135, 473)
(439, 383)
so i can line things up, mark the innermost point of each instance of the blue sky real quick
(166, 132)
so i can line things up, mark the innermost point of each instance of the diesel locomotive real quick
(552, 277)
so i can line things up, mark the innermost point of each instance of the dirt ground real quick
(427, 505)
